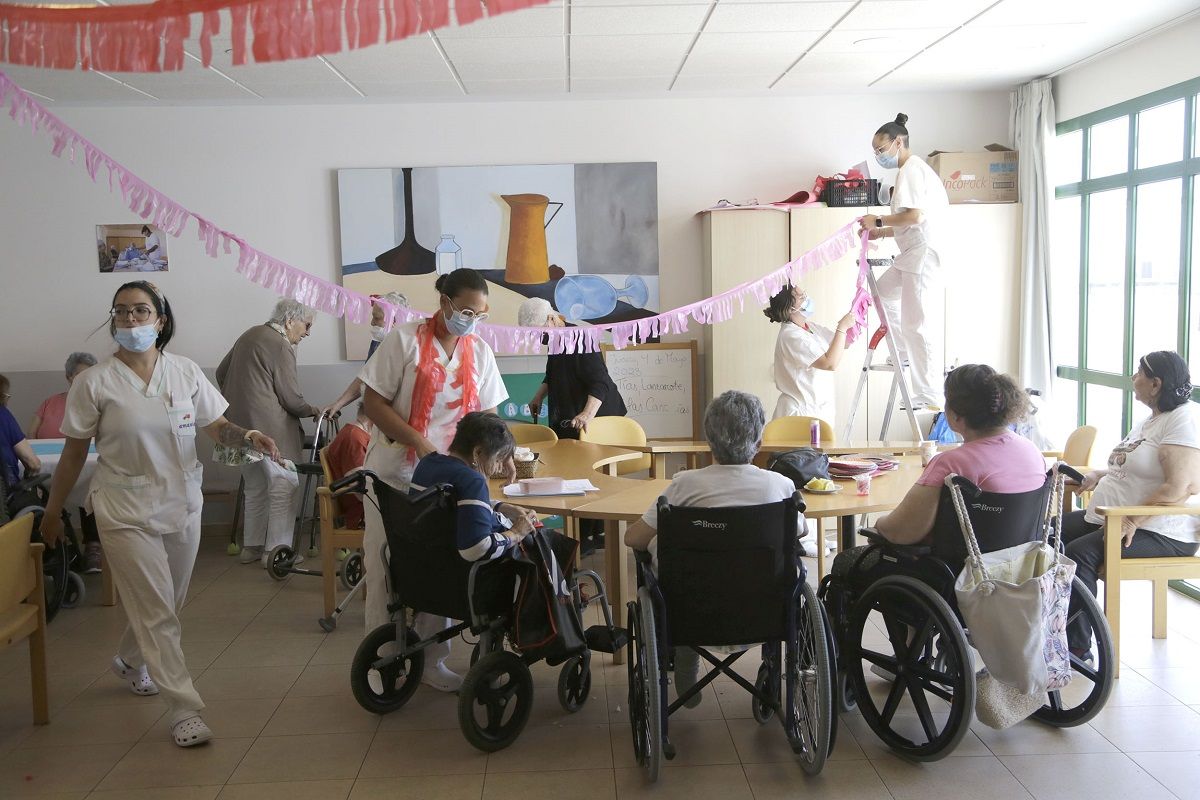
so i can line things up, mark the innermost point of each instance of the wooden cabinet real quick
(980, 311)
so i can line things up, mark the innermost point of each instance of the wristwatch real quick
(879, 222)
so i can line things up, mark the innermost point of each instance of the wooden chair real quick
(527, 433)
(333, 538)
(23, 605)
(619, 431)
(1156, 570)
(1077, 452)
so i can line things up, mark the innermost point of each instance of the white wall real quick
(1145, 66)
(269, 175)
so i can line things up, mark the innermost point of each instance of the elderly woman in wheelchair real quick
(453, 555)
(892, 603)
(719, 569)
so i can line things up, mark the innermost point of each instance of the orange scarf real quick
(431, 379)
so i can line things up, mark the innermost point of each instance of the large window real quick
(1125, 239)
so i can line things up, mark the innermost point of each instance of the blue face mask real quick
(136, 340)
(806, 308)
(460, 324)
(888, 160)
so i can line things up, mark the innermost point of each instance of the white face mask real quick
(378, 332)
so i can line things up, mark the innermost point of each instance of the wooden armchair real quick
(333, 537)
(23, 605)
(1156, 570)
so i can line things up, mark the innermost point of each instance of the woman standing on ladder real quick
(914, 279)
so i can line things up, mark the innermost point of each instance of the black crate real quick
(841, 192)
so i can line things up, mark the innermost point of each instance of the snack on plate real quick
(820, 485)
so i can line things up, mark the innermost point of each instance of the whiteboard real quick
(660, 385)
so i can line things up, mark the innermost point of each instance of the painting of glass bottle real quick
(448, 254)
(592, 297)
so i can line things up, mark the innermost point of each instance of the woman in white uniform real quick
(805, 356)
(422, 380)
(143, 407)
(914, 279)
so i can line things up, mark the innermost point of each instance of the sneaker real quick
(1088, 657)
(250, 555)
(138, 679)
(809, 546)
(442, 678)
(91, 558)
(891, 362)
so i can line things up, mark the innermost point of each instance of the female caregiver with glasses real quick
(143, 407)
(914, 278)
(424, 378)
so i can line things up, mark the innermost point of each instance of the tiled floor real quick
(279, 701)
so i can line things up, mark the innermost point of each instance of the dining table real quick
(695, 450)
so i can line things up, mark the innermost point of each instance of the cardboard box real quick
(987, 177)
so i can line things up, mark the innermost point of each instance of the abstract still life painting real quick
(583, 236)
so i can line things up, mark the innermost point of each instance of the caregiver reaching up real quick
(914, 279)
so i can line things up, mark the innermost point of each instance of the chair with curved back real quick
(619, 431)
(795, 429)
(1077, 452)
(530, 433)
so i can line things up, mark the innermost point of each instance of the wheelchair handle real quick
(355, 482)
(1070, 472)
(37, 479)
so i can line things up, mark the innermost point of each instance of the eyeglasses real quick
(881, 150)
(478, 316)
(136, 313)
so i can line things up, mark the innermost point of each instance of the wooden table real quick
(573, 459)
(619, 508)
(660, 448)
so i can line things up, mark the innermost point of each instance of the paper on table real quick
(575, 487)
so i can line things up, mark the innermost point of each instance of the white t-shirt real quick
(392, 371)
(148, 476)
(723, 485)
(918, 186)
(1134, 471)
(804, 390)
(157, 255)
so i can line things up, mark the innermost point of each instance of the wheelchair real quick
(731, 577)
(64, 586)
(894, 614)
(427, 574)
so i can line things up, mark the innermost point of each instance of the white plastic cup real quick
(863, 484)
(929, 449)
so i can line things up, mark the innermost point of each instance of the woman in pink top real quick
(980, 405)
(49, 416)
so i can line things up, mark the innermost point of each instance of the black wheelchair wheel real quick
(834, 674)
(575, 682)
(645, 686)
(929, 658)
(495, 701)
(1091, 682)
(385, 689)
(280, 561)
(75, 592)
(352, 571)
(843, 693)
(762, 712)
(810, 686)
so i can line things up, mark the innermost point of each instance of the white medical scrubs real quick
(392, 372)
(146, 497)
(804, 390)
(157, 255)
(911, 287)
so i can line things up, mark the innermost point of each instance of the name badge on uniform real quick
(183, 418)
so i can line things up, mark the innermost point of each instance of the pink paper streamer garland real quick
(288, 281)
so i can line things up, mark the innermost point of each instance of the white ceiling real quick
(661, 47)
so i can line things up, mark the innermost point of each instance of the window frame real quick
(1187, 170)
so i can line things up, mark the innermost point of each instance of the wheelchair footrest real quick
(604, 639)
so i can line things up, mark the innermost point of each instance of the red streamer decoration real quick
(150, 37)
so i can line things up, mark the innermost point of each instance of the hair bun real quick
(902, 119)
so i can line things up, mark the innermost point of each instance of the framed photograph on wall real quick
(134, 247)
